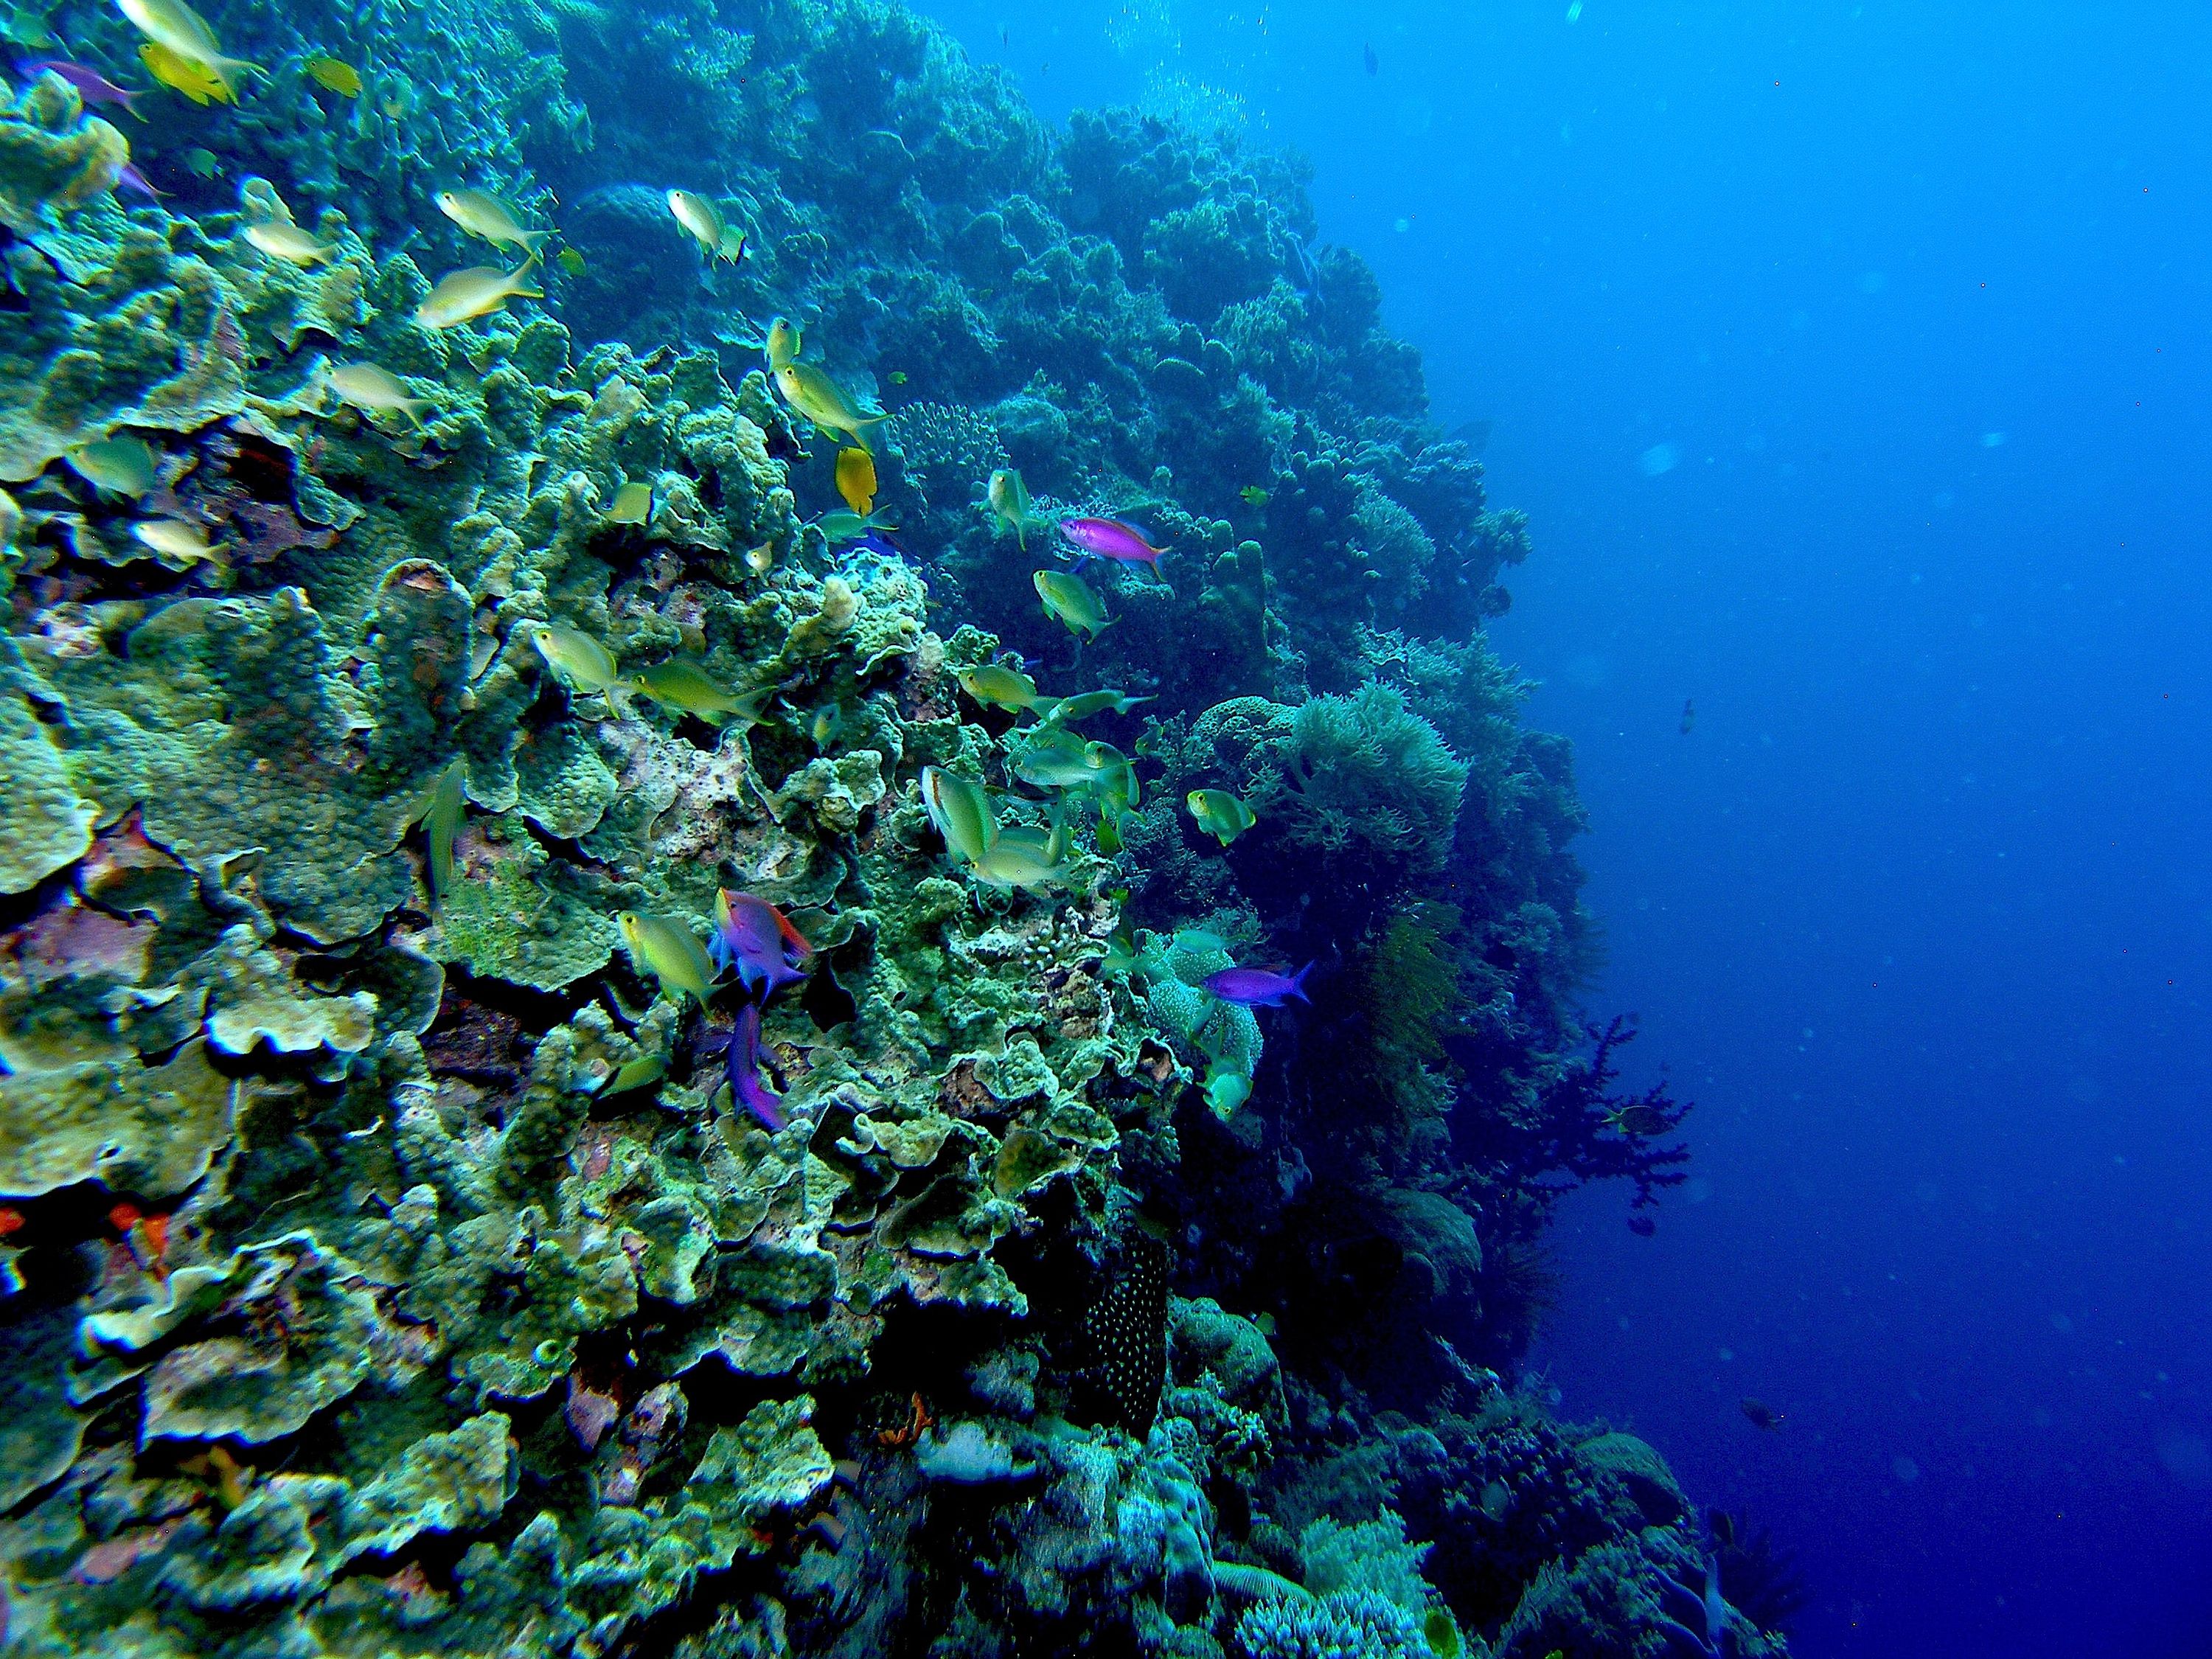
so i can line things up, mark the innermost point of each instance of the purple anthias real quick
(1256, 988)
(741, 1064)
(129, 178)
(757, 942)
(1110, 538)
(91, 85)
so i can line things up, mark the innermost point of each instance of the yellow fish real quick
(571, 261)
(440, 819)
(373, 390)
(1254, 497)
(184, 34)
(960, 812)
(1074, 602)
(896, 377)
(196, 81)
(484, 216)
(579, 659)
(1010, 499)
(782, 342)
(476, 292)
(1085, 705)
(1219, 813)
(682, 684)
(288, 242)
(1225, 1090)
(336, 74)
(704, 221)
(762, 559)
(633, 504)
(670, 951)
(856, 479)
(999, 688)
(819, 399)
(173, 538)
(829, 721)
(121, 466)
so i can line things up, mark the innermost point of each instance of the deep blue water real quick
(1915, 298)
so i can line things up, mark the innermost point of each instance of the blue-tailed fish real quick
(670, 951)
(700, 216)
(281, 240)
(823, 401)
(373, 390)
(841, 526)
(182, 32)
(960, 812)
(121, 465)
(633, 503)
(476, 292)
(336, 74)
(195, 79)
(856, 479)
(682, 684)
(1000, 688)
(1073, 602)
(1219, 813)
(1010, 500)
(486, 215)
(440, 818)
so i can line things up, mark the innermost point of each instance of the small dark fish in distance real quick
(1689, 715)
(1642, 1226)
(1374, 63)
(1475, 434)
(1761, 1414)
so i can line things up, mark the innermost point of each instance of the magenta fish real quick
(756, 940)
(1110, 538)
(1256, 988)
(91, 85)
(741, 1064)
(129, 178)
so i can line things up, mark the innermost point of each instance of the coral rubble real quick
(413, 1239)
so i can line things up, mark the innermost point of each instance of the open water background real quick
(1914, 298)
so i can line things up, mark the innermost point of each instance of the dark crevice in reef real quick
(397, 1254)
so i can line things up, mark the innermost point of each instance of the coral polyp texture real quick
(594, 1063)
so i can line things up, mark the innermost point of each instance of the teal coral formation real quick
(391, 1263)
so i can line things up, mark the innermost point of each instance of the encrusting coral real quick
(423, 1227)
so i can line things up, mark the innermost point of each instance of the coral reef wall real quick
(430, 1221)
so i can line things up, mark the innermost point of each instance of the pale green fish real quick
(120, 465)
(1053, 760)
(476, 292)
(633, 504)
(375, 390)
(1225, 1089)
(202, 163)
(1121, 952)
(175, 540)
(1088, 703)
(700, 216)
(829, 721)
(1010, 500)
(821, 400)
(960, 812)
(635, 1074)
(1073, 602)
(1219, 813)
(782, 342)
(288, 242)
(175, 25)
(1113, 778)
(440, 818)
(841, 526)
(999, 688)
(486, 215)
(1025, 857)
(681, 683)
(670, 951)
(1198, 941)
(579, 659)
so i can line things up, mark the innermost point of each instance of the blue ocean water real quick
(1852, 361)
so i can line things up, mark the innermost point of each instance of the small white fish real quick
(376, 390)
(174, 538)
(290, 244)
(476, 292)
(486, 215)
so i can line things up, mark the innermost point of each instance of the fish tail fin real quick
(1298, 979)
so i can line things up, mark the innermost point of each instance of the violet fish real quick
(1256, 988)
(91, 85)
(1110, 538)
(741, 1063)
(757, 942)
(129, 178)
